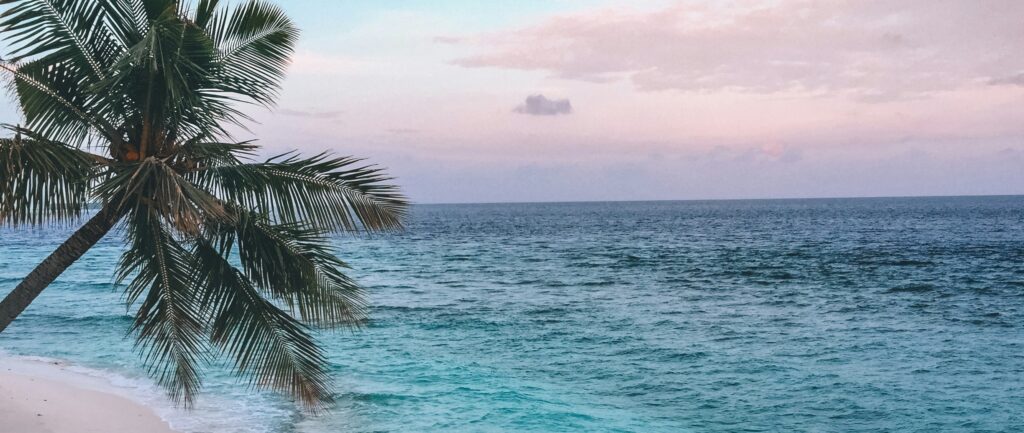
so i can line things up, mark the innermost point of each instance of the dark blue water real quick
(795, 315)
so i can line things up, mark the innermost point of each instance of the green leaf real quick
(297, 265)
(255, 42)
(153, 184)
(42, 181)
(169, 322)
(51, 100)
(323, 191)
(61, 30)
(267, 345)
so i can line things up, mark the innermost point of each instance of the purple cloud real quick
(539, 105)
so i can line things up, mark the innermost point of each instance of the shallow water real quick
(792, 315)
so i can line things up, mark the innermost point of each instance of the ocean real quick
(830, 315)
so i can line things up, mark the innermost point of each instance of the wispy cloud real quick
(403, 131)
(315, 63)
(310, 114)
(448, 39)
(539, 105)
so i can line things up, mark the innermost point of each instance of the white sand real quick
(34, 404)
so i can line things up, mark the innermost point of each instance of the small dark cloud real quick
(1012, 80)
(310, 114)
(539, 105)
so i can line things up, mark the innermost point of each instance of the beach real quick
(39, 397)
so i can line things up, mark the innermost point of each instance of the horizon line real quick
(865, 197)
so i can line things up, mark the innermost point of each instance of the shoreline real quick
(39, 396)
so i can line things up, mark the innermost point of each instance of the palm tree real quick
(126, 105)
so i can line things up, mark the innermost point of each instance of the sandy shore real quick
(36, 403)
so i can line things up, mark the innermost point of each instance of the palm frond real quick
(42, 181)
(295, 264)
(326, 192)
(126, 19)
(199, 154)
(61, 30)
(168, 325)
(51, 100)
(270, 347)
(255, 41)
(152, 184)
(168, 84)
(205, 11)
(157, 9)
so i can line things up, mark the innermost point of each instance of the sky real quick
(580, 100)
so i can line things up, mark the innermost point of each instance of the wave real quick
(597, 283)
(548, 310)
(897, 263)
(912, 288)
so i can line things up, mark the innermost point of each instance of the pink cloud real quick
(869, 50)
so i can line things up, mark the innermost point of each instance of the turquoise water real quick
(793, 315)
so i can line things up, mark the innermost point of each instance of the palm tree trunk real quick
(55, 264)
